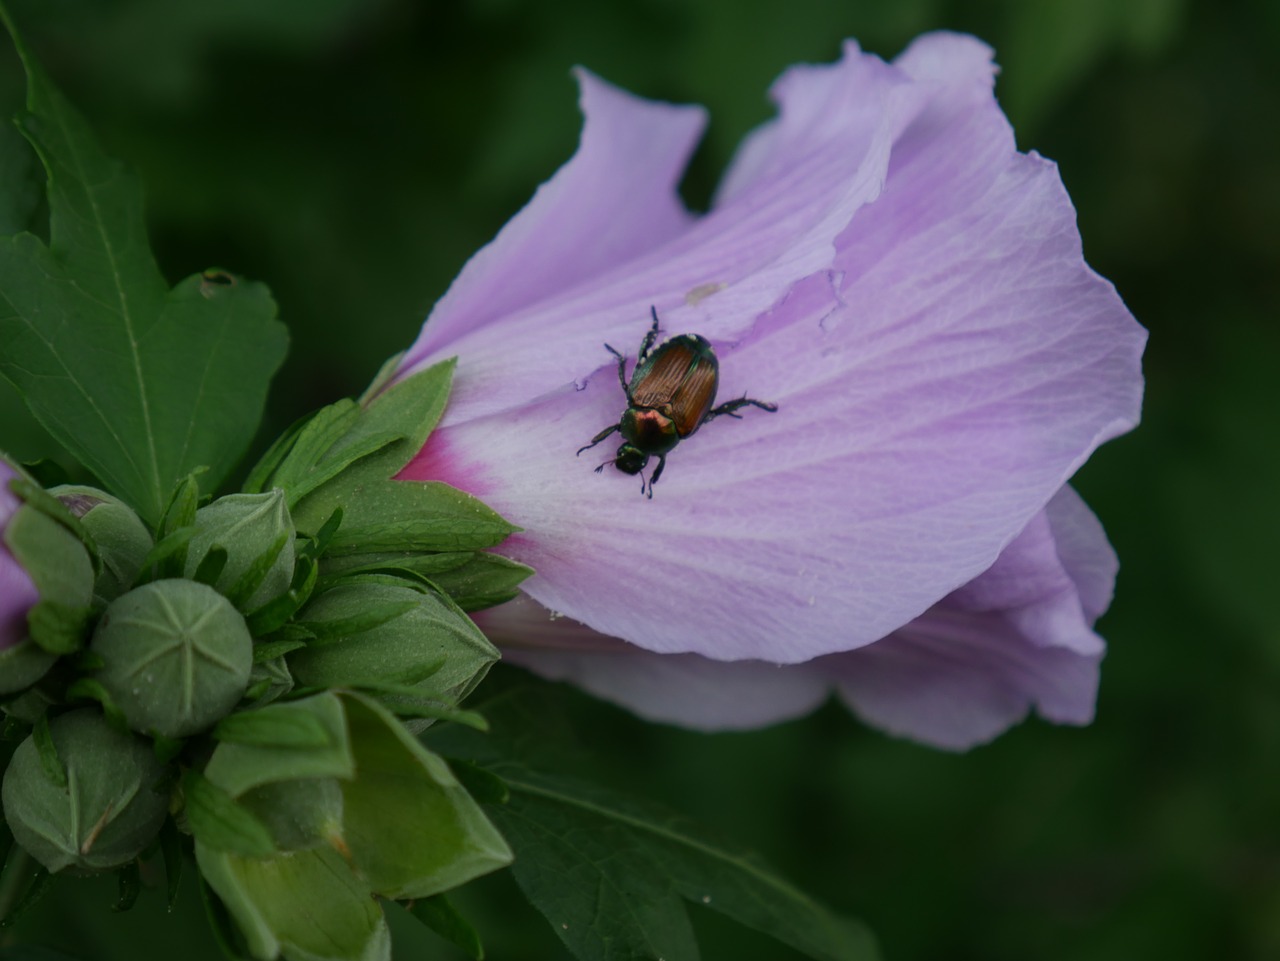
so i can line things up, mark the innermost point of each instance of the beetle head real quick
(630, 459)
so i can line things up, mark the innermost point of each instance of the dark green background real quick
(353, 153)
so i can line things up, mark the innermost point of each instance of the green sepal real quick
(179, 513)
(274, 728)
(474, 579)
(486, 580)
(239, 767)
(260, 476)
(129, 887)
(87, 689)
(32, 880)
(257, 533)
(407, 701)
(269, 650)
(405, 649)
(256, 573)
(171, 853)
(211, 566)
(58, 628)
(443, 918)
(167, 557)
(412, 829)
(48, 752)
(396, 515)
(307, 905)
(410, 408)
(219, 823)
(320, 432)
(275, 613)
(268, 681)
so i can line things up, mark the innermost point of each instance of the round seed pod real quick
(176, 656)
(88, 799)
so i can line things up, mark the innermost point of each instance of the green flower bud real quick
(381, 630)
(120, 535)
(258, 535)
(177, 656)
(89, 799)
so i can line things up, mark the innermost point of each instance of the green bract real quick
(355, 806)
(372, 630)
(88, 799)
(121, 539)
(257, 535)
(176, 656)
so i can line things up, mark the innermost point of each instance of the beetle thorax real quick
(649, 430)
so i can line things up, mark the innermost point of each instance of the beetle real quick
(669, 396)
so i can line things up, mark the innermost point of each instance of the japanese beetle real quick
(669, 397)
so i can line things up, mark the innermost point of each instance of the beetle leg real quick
(652, 336)
(598, 438)
(657, 472)
(733, 405)
(622, 368)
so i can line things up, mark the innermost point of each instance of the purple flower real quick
(17, 591)
(909, 289)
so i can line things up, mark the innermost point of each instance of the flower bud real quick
(373, 629)
(258, 535)
(94, 805)
(119, 534)
(41, 563)
(176, 656)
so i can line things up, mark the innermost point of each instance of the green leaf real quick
(141, 382)
(610, 873)
(218, 822)
(443, 918)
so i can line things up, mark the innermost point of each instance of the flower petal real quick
(615, 200)
(1019, 636)
(716, 276)
(684, 689)
(18, 593)
(937, 384)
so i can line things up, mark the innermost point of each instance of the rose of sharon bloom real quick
(909, 289)
(17, 592)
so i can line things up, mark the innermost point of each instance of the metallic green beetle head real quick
(630, 459)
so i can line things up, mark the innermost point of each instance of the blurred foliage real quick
(353, 153)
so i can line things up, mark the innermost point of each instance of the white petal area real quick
(715, 277)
